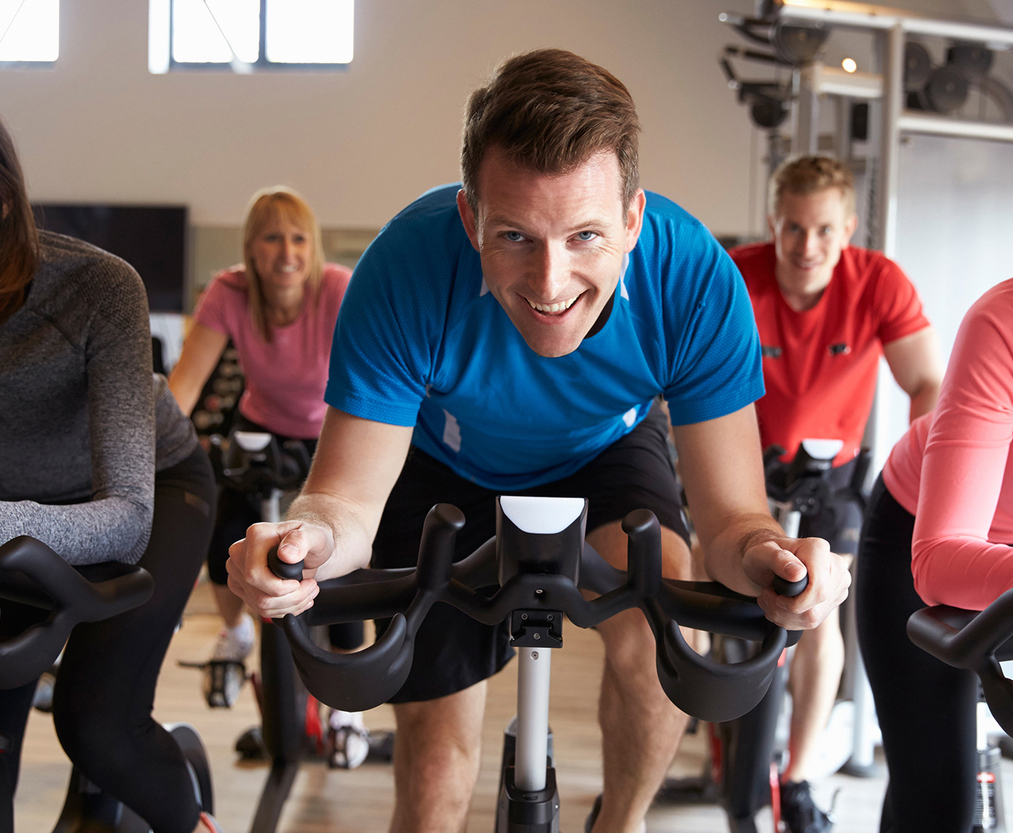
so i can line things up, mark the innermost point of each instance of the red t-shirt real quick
(819, 366)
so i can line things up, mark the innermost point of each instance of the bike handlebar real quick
(255, 462)
(975, 641)
(31, 573)
(706, 689)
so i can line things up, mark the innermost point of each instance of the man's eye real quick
(586, 235)
(513, 236)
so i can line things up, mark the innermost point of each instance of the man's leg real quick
(815, 678)
(436, 756)
(641, 729)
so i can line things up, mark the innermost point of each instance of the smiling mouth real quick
(552, 309)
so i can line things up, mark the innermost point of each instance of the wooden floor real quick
(359, 800)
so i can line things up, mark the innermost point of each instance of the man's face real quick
(810, 231)
(552, 246)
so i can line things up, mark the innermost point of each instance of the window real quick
(249, 35)
(29, 31)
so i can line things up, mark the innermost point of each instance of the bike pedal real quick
(250, 745)
(223, 680)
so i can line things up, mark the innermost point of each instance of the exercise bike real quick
(539, 563)
(32, 574)
(978, 642)
(742, 775)
(255, 463)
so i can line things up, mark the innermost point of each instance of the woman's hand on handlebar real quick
(791, 559)
(252, 581)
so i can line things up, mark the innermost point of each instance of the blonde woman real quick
(279, 308)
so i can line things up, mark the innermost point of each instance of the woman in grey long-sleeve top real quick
(78, 463)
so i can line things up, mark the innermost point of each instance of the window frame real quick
(33, 64)
(262, 64)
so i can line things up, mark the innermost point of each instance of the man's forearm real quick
(924, 400)
(723, 554)
(351, 533)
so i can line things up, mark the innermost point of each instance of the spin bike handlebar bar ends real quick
(973, 641)
(31, 573)
(539, 563)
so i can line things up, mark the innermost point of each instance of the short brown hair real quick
(551, 111)
(266, 205)
(19, 240)
(808, 175)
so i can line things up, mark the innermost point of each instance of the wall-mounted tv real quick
(151, 238)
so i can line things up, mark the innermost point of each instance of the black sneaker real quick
(798, 811)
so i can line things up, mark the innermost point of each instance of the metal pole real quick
(889, 151)
(943, 126)
(534, 665)
(807, 113)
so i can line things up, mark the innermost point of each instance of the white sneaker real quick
(347, 740)
(235, 644)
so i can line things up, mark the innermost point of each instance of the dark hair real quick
(808, 175)
(19, 241)
(551, 111)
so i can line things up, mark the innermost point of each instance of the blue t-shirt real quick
(421, 341)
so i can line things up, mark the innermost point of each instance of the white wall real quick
(362, 142)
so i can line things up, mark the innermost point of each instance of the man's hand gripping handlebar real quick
(534, 572)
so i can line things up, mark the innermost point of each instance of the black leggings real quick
(105, 689)
(926, 708)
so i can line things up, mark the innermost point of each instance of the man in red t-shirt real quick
(826, 311)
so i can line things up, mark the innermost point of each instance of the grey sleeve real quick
(115, 523)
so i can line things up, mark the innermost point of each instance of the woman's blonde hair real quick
(267, 205)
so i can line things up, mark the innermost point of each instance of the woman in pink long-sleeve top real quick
(938, 531)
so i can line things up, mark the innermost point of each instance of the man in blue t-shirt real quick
(513, 334)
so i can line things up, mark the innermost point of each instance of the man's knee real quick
(441, 734)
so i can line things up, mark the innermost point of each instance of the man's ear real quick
(849, 229)
(468, 218)
(770, 225)
(635, 219)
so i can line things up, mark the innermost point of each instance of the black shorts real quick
(452, 651)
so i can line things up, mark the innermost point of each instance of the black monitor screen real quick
(152, 239)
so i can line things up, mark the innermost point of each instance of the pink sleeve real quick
(217, 302)
(964, 465)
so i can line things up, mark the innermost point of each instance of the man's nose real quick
(552, 273)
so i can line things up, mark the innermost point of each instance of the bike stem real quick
(533, 671)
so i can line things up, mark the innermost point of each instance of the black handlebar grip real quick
(436, 550)
(282, 569)
(783, 587)
(643, 550)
